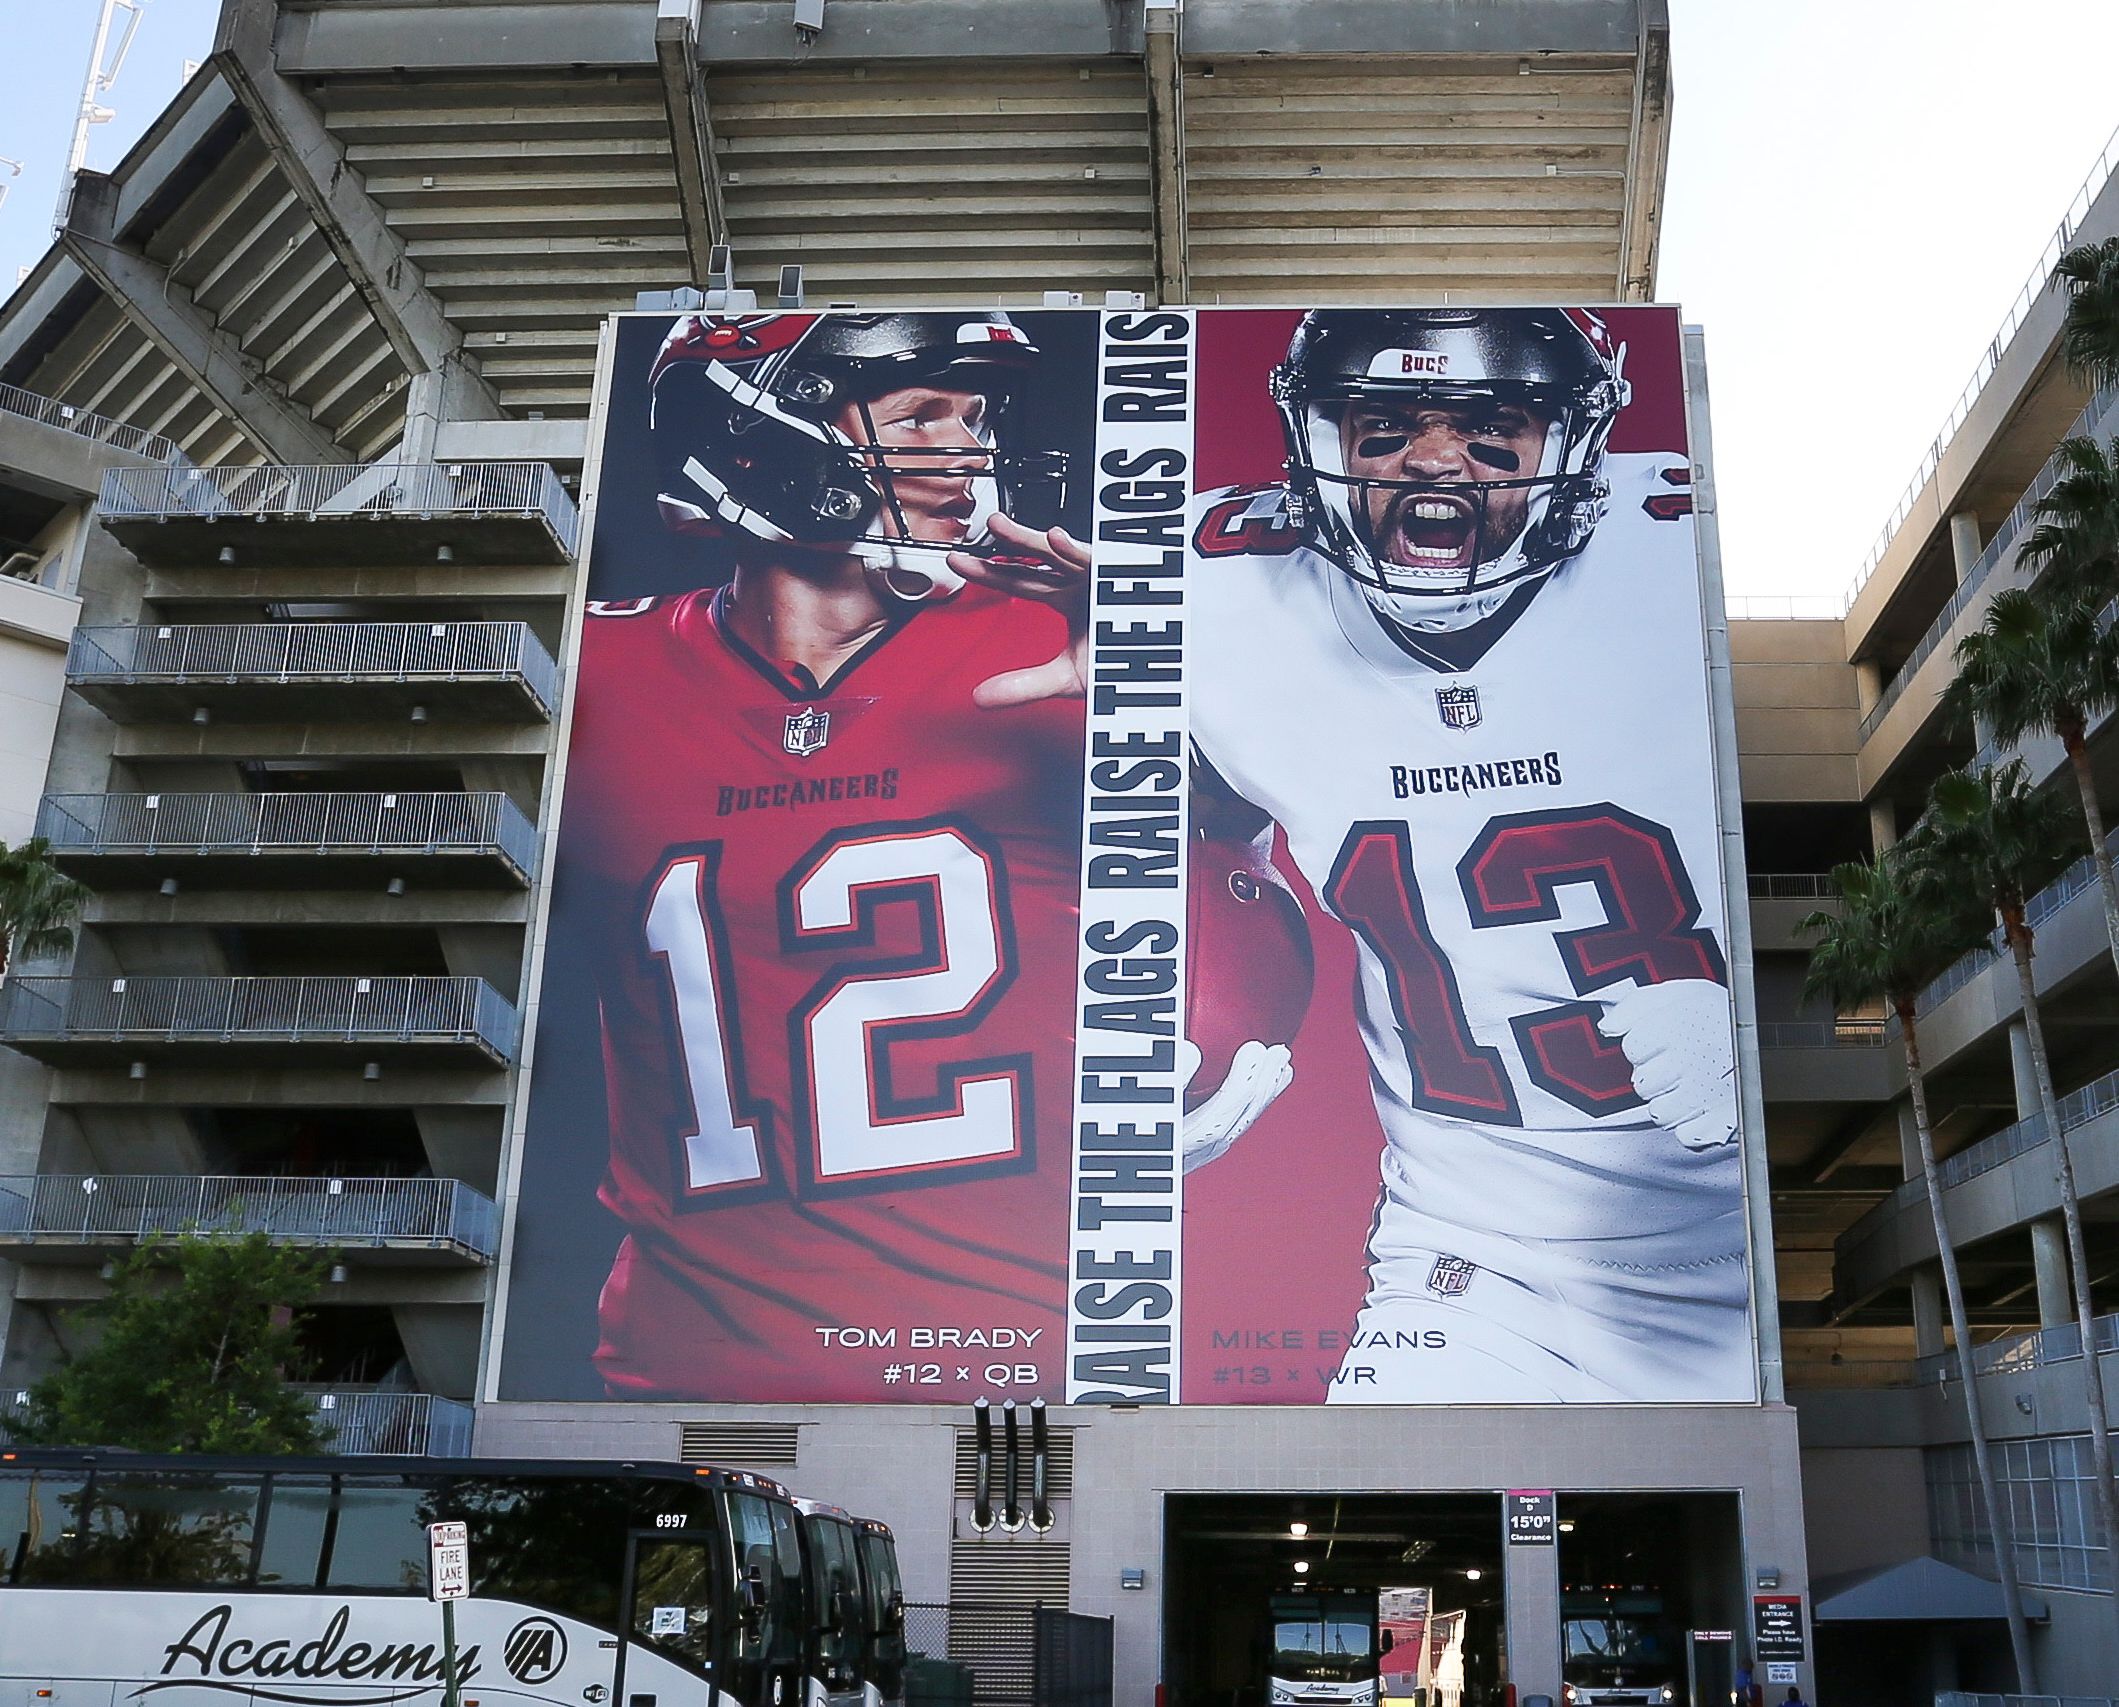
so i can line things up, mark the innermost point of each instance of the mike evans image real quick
(800, 1120)
(1458, 1119)
(1446, 665)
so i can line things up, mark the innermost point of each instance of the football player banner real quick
(1135, 856)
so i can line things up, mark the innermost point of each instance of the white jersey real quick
(1512, 844)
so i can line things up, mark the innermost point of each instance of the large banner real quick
(1136, 856)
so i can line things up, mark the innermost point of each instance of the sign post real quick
(448, 1581)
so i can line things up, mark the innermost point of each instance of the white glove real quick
(1677, 1040)
(1257, 1074)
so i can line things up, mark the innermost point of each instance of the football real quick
(1251, 966)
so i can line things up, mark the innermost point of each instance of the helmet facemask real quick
(1441, 539)
(767, 453)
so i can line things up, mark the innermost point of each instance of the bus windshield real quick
(1342, 1644)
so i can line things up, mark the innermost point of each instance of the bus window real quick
(885, 1594)
(763, 1535)
(296, 1524)
(152, 1531)
(379, 1540)
(556, 1544)
(39, 1515)
(834, 1601)
(673, 1599)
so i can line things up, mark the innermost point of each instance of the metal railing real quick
(1782, 607)
(89, 425)
(371, 823)
(2079, 1107)
(2096, 420)
(1990, 359)
(313, 652)
(1821, 1034)
(1792, 886)
(409, 489)
(342, 1214)
(272, 1010)
(392, 1423)
(2080, 876)
(1966, 1698)
(2016, 1354)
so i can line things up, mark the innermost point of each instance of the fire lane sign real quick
(448, 1562)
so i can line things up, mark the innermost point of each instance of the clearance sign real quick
(1137, 856)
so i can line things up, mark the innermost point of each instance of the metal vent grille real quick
(1059, 1480)
(996, 1585)
(744, 1444)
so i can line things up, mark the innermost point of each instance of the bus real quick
(1619, 1650)
(1324, 1648)
(303, 1582)
(883, 1595)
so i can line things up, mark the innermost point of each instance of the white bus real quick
(301, 1582)
(856, 1644)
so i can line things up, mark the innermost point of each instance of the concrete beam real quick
(29, 322)
(336, 197)
(1164, 24)
(143, 291)
(55, 463)
(443, 35)
(691, 130)
(1648, 159)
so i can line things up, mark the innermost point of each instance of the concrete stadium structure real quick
(349, 286)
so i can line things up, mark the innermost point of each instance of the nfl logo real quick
(807, 731)
(1459, 706)
(1451, 1277)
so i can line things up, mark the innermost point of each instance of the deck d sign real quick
(448, 1562)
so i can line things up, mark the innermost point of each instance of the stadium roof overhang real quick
(364, 214)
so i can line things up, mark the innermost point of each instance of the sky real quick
(1857, 191)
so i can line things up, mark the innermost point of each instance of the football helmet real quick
(1560, 366)
(744, 412)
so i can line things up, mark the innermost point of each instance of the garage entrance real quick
(1631, 1576)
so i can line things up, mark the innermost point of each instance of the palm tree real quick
(37, 904)
(2074, 549)
(2090, 338)
(1885, 941)
(1990, 834)
(2039, 666)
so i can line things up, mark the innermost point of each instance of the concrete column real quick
(2049, 1266)
(2022, 1071)
(1883, 825)
(1868, 684)
(1530, 1602)
(1965, 543)
(1908, 1140)
(1928, 1316)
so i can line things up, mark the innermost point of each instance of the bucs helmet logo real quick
(1459, 706)
(807, 731)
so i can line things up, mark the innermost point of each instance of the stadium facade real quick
(294, 419)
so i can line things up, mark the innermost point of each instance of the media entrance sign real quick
(1136, 856)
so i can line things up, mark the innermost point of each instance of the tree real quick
(2074, 549)
(1884, 941)
(37, 905)
(1990, 834)
(2041, 666)
(195, 1354)
(2090, 337)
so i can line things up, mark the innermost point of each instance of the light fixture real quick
(169, 886)
(1298, 1529)
(396, 886)
(372, 1071)
(138, 1070)
(226, 555)
(338, 1274)
(791, 286)
(1567, 1526)
(1302, 1567)
(445, 554)
(419, 714)
(2023, 1403)
(199, 714)
(109, 1270)
(1766, 1576)
(1472, 1574)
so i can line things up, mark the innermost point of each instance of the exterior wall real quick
(1863, 1507)
(896, 1463)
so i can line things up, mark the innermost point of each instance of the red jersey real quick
(833, 939)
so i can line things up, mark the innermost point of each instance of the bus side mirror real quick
(894, 1615)
(754, 1594)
